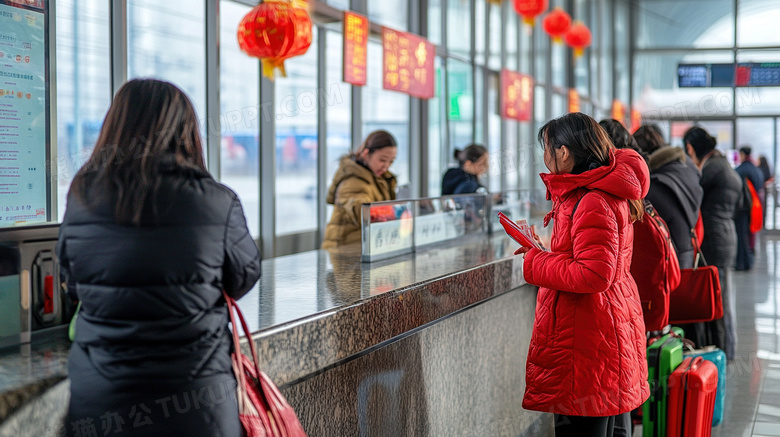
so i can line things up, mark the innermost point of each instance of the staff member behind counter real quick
(362, 177)
(464, 179)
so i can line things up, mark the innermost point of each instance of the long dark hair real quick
(588, 143)
(149, 125)
(619, 135)
(648, 139)
(702, 142)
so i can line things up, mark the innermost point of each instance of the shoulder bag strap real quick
(697, 251)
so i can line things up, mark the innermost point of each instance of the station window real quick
(297, 100)
(84, 91)
(390, 13)
(386, 110)
(240, 113)
(168, 42)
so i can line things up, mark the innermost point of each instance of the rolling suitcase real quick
(717, 357)
(663, 356)
(692, 390)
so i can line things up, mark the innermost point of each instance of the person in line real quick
(746, 239)
(769, 182)
(587, 359)
(722, 188)
(675, 191)
(620, 137)
(148, 243)
(464, 179)
(362, 177)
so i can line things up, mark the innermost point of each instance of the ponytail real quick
(637, 209)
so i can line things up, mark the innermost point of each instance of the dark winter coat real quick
(676, 194)
(152, 346)
(722, 188)
(587, 352)
(458, 181)
(748, 170)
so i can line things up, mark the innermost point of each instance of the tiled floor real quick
(753, 379)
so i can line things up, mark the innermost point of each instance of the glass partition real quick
(401, 227)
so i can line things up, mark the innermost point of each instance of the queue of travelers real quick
(600, 180)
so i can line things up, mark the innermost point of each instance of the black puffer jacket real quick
(458, 181)
(676, 194)
(153, 327)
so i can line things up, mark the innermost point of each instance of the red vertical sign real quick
(636, 120)
(355, 48)
(574, 100)
(619, 111)
(517, 95)
(407, 63)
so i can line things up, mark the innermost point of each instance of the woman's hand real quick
(522, 251)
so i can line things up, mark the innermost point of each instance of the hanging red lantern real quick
(529, 9)
(579, 38)
(274, 31)
(556, 24)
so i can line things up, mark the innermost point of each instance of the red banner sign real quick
(355, 48)
(517, 95)
(619, 111)
(574, 100)
(407, 63)
(636, 120)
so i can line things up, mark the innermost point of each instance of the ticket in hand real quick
(519, 232)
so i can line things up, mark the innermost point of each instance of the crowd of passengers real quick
(147, 246)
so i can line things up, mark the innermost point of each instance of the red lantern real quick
(578, 37)
(556, 24)
(274, 31)
(529, 9)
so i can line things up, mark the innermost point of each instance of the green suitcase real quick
(663, 356)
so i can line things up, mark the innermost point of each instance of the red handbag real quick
(698, 297)
(262, 409)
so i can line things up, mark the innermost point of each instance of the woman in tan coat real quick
(361, 178)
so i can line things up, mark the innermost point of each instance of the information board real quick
(23, 117)
(764, 74)
(728, 75)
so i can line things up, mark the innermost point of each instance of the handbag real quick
(698, 298)
(262, 409)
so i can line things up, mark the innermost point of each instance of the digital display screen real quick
(754, 74)
(705, 75)
(23, 113)
(744, 74)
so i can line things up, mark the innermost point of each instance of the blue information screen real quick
(23, 114)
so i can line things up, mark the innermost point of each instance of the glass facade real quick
(280, 141)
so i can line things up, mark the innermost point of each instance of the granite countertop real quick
(305, 301)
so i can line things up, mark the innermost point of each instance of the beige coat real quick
(353, 185)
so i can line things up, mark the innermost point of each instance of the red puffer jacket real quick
(587, 355)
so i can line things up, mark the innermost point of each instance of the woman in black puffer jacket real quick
(147, 244)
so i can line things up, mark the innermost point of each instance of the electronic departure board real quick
(728, 75)
(705, 75)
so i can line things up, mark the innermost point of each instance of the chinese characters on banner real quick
(355, 48)
(636, 120)
(619, 111)
(574, 100)
(407, 63)
(517, 95)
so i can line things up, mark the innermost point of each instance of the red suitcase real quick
(692, 389)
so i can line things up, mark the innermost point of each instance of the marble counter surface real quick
(313, 309)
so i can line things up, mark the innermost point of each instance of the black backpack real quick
(745, 202)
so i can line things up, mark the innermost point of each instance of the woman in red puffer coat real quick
(587, 361)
